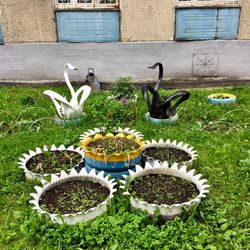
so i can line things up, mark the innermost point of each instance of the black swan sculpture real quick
(161, 107)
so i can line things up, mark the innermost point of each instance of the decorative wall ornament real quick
(205, 64)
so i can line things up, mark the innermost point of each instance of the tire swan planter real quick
(221, 98)
(125, 131)
(113, 154)
(161, 110)
(69, 112)
(26, 159)
(73, 182)
(167, 211)
(169, 151)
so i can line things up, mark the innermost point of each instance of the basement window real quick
(1, 35)
(207, 19)
(87, 20)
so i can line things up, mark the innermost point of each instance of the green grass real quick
(220, 134)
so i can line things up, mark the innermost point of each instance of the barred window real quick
(71, 4)
(200, 3)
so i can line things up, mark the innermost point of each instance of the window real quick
(83, 4)
(1, 35)
(207, 19)
(99, 22)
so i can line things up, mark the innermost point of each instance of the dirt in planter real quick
(163, 189)
(110, 146)
(73, 196)
(168, 154)
(53, 162)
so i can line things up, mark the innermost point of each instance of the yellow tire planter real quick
(116, 164)
(221, 98)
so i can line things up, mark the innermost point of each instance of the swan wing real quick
(85, 90)
(63, 107)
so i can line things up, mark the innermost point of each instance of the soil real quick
(168, 154)
(110, 146)
(73, 196)
(221, 97)
(53, 162)
(163, 189)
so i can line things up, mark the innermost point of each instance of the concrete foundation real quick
(228, 60)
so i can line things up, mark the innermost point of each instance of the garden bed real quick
(220, 134)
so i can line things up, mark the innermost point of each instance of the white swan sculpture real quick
(74, 108)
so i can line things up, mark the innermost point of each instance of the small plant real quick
(111, 112)
(110, 146)
(124, 91)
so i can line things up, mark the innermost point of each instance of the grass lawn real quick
(220, 134)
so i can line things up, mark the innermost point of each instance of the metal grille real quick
(82, 4)
(200, 3)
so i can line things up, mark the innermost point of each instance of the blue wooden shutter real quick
(1, 35)
(88, 26)
(227, 23)
(196, 24)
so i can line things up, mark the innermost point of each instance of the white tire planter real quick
(83, 216)
(26, 157)
(167, 212)
(177, 145)
(126, 131)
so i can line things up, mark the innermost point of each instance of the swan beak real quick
(70, 66)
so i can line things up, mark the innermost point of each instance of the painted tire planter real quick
(171, 120)
(168, 144)
(29, 175)
(82, 216)
(125, 131)
(167, 212)
(115, 164)
(221, 98)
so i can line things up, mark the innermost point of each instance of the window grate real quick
(76, 4)
(200, 3)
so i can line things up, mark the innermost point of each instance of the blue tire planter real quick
(228, 99)
(171, 120)
(115, 169)
(115, 175)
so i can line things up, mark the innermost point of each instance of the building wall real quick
(230, 60)
(141, 20)
(147, 20)
(244, 28)
(28, 21)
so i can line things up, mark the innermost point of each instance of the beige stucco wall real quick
(141, 20)
(244, 28)
(28, 20)
(147, 20)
